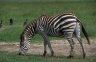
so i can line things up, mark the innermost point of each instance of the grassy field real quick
(20, 10)
(12, 57)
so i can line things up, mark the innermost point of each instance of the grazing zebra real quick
(59, 25)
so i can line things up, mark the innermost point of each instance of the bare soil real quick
(60, 47)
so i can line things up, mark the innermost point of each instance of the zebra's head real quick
(24, 45)
(29, 31)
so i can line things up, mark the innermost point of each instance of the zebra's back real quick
(58, 24)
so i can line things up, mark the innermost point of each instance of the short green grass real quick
(21, 10)
(13, 57)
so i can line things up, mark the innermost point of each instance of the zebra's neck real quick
(30, 30)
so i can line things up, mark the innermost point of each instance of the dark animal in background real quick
(25, 23)
(0, 23)
(11, 21)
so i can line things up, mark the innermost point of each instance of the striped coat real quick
(58, 25)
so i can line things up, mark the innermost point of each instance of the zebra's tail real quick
(84, 31)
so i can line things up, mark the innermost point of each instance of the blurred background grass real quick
(20, 10)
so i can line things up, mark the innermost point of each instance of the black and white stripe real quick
(58, 25)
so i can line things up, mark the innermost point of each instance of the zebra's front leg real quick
(46, 41)
(52, 52)
(45, 49)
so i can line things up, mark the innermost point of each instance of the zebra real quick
(65, 25)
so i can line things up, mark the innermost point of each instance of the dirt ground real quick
(60, 47)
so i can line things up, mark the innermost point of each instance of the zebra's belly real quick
(54, 34)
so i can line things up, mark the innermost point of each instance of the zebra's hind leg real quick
(71, 42)
(77, 34)
(72, 48)
(80, 41)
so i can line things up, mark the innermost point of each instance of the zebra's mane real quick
(31, 27)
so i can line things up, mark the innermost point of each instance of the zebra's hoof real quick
(70, 56)
(44, 54)
(20, 53)
(52, 54)
(84, 55)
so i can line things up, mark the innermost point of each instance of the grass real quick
(19, 11)
(12, 57)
